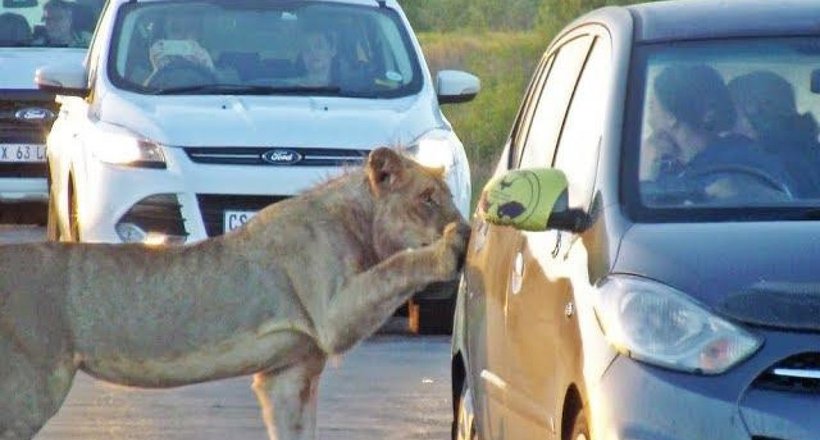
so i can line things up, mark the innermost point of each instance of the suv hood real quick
(757, 272)
(289, 121)
(18, 64)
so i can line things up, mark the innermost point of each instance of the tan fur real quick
(307, 278)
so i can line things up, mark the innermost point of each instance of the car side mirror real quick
(62, 79)
(455, 86)
(531, 200)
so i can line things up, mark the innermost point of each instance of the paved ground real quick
(394, 386)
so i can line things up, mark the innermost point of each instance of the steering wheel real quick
(755, 173)
(180, 72)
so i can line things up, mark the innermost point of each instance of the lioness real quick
(305, 279)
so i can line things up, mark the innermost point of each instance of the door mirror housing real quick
(531, 200)
(455, 86)
(62, 79)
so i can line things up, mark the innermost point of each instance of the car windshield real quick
(51, 23)
(725, 128)
(259, 47)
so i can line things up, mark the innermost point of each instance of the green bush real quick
(500, 42)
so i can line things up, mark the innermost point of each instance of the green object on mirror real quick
(524, 199)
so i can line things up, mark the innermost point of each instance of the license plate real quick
(235, 219)
(22, 153)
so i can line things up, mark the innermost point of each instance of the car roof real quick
(390, 3)
(700, 19)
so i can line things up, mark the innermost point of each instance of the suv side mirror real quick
(62, 79)
(531, 200)
(455, 86)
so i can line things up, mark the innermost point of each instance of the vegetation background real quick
(500, 41)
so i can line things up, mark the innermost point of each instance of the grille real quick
(798, 374)
(304, 157)
(158, 213)
(213, 207)
(26, 169)
(14, 130)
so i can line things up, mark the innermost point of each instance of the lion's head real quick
(412, 203)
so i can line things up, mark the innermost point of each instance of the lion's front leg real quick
(370, 298)
(288, 399)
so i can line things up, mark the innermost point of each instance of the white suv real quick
(192, 115)
(32, 33)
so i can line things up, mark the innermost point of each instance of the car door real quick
(486, 274)
(541, 334)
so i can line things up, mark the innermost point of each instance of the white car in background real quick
(177, 149)
(26, 113)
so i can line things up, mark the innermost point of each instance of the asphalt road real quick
(393, 386)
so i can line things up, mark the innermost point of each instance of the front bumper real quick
(635, 401)
(15, 189)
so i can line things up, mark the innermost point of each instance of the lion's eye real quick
(427, 198)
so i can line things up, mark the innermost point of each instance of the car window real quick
(727, 124)
(51, 23)
(548, 116)
(524, 119)
(261, 47)
(577, 153)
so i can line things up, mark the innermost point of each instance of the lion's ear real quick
(385, 168)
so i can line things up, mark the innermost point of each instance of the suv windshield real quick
(725, 128)
(261, 47)
(51, 23)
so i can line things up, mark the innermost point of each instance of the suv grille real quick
(213, 207)
(13, 130)
(275, 156)
(798, 374)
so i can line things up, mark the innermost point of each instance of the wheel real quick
(431, 317)
(580, 428)
(464, 427)
(52, 225)
(73, 216)
(180, 73)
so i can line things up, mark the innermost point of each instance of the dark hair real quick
(14, 28)
(769, 104)
(696, 95)
(58, 4)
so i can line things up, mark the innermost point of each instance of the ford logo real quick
(34, 114)
(281, 157)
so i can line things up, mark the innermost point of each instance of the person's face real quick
(58, 23)
(181, 28)
(317, 53)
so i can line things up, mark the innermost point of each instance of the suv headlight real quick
(657, 324)
(442, 148)
(128, 150)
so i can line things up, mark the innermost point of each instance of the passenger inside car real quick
(59, 28)
(692, 116)
(766, 102)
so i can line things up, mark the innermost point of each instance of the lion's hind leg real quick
(30, 393)
(288, 399)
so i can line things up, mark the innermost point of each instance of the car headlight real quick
(128, 150)
(442, 148)
(657, 324)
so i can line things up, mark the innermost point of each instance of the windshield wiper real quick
(244, 89)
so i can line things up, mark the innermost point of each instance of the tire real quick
(52, 224)
(431, 317)
(580, 428)
(73, 219)
(464, 421)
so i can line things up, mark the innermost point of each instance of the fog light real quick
(130, 233)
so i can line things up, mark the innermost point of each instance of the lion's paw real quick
(453, 247)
